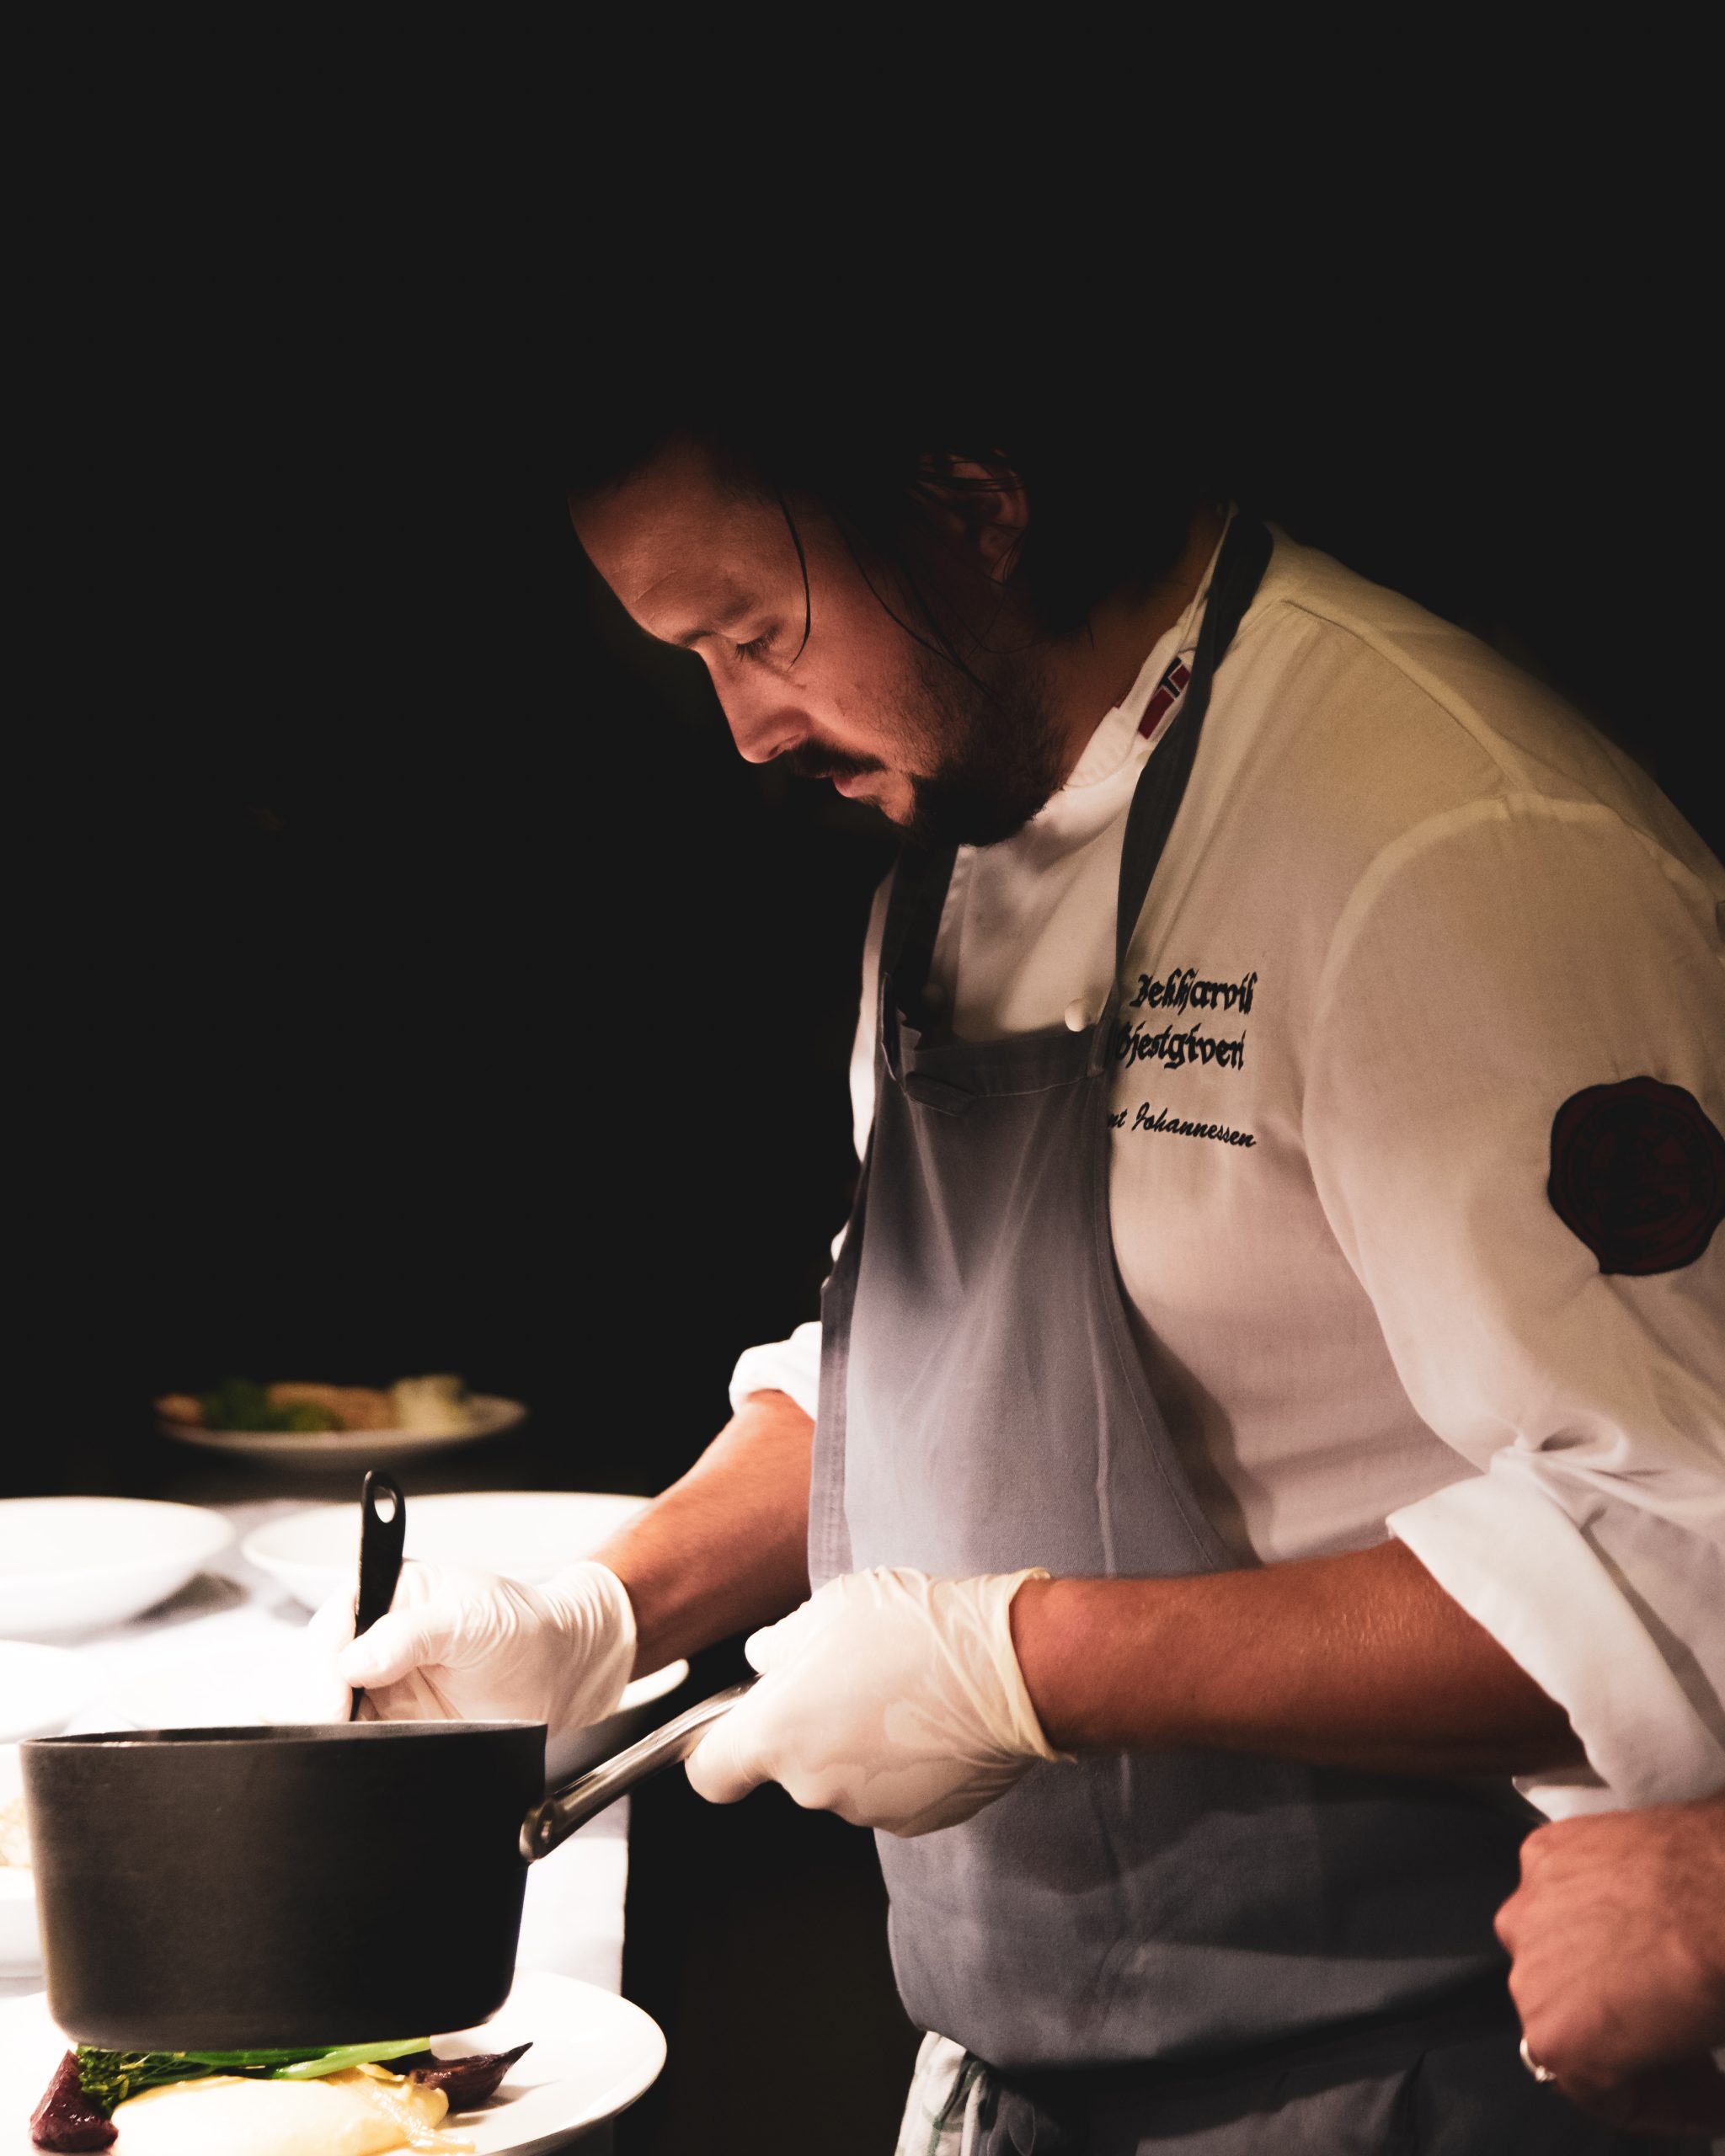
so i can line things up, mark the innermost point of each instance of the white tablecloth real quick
(573, 1920)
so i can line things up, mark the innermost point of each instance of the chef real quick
(1264, 1423)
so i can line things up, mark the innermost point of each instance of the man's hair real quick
(1112, 473)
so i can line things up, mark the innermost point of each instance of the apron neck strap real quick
(913, 912)
(1162, 784)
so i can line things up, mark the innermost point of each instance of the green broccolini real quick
(109, 2079)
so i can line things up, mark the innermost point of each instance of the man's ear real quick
(981, 507)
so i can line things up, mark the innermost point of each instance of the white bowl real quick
(526, 1534)
(20, 1943)
(70, 1564)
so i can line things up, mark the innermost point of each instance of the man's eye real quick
(757, 648)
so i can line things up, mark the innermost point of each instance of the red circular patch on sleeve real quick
(1638, 1173)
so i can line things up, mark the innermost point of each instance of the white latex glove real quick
(892, 1699)
(461, 1646)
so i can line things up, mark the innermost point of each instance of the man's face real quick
(860, 702)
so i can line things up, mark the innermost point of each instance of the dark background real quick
(415, 977)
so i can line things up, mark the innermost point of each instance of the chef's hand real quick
(1617, 1934)
(461, 1646)
(890, 1698)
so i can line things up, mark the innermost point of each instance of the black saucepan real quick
(223, 1889)
(219, 1889)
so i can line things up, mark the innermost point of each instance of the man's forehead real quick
(675, 544)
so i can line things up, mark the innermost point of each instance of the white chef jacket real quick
(1411, 905)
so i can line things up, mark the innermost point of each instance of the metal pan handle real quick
(553, 1820)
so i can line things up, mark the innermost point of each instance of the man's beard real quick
(982, 756)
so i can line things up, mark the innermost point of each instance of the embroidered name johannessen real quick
(1134, 1045)
(1182, 988)
(1179, 1127)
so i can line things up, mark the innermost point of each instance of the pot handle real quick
(556, 1817)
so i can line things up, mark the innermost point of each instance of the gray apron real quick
(983, 1406)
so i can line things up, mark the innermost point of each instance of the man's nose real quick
(763, 726)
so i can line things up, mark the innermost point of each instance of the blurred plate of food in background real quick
(313, 1425)
(71, 1565)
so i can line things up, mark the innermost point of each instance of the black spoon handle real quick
(384, 1527)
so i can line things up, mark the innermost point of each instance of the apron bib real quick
(983, 1406)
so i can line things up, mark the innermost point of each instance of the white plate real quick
(284, 1679)
(273, 1676)
(41, 1689)
(71, 1564)
(526, 1534)
(20, 1947)
(20, 1943)
(593, 2055)
(372, 1448)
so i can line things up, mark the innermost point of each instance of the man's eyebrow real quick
(728, 615)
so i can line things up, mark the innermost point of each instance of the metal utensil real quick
(559, 1815)
(384, 1530)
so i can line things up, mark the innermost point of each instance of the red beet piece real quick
(66, 2118)
(467, 2081)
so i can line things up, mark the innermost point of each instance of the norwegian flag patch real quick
(1168, 694)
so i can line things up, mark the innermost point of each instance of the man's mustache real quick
(809, 760)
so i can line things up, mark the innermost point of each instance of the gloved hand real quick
(892, 1699)
(461, 1646)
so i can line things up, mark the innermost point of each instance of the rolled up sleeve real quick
(792, 1366)
(1507, 992)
